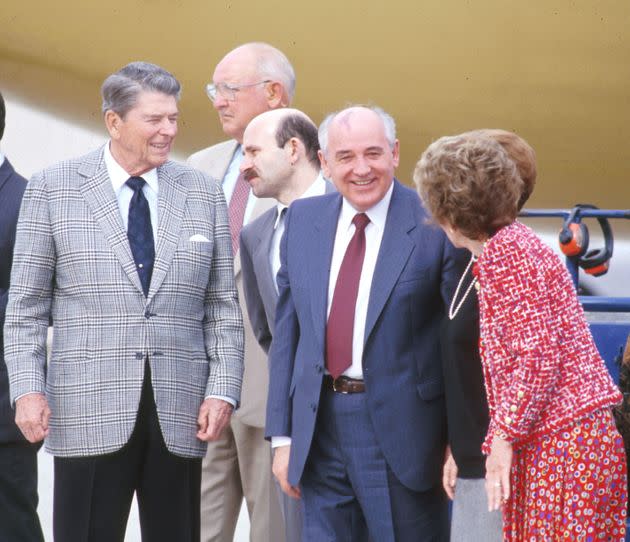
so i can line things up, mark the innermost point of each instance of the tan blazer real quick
(215, 161)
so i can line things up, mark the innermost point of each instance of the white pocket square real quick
(198, 238)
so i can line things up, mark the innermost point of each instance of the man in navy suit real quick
(356, 394)
(280, 161)
(18, 457)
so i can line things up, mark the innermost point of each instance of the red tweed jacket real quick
(541, 366)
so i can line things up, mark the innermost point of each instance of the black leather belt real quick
(344, 384)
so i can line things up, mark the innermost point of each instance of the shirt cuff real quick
(276, 442)
(29, 393)
(223, 398)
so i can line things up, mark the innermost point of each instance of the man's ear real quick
(294, 149)
(275, 95)
(112, 123)
(396, 153)
(324, 163)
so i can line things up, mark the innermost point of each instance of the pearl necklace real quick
(452, 312)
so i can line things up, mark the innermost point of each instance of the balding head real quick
(249, 80)
(280, 153)
(359, 153)
(269, 63)
(344, 116)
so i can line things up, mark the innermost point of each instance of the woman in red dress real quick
(555, 459)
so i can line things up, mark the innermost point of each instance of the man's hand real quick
(280, 470)
(498, 465)
(31, 416)
(449, 474)
(214, 415)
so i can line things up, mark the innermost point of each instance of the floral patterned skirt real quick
(570, 485)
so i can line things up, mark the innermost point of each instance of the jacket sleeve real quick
(253, 299)
(518, 294)
(283, 348)
(30, 294)
(223, 321)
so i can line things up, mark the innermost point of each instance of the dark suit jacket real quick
(258, 279)
(415, 272)
(12, 186)
(466, 404)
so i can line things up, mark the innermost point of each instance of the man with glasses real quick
(249, 80)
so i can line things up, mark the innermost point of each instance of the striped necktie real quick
(236, 210)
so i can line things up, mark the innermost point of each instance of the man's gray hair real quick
(388, 123)
(273, 64)
(120, 90)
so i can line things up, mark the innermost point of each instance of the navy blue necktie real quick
(140, 232)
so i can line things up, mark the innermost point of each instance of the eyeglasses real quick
(229, 91)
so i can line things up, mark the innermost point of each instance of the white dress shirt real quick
(373, 237)
(318, 188)
(118, 176)
(229, 183)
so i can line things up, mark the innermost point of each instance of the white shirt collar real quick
(119, 176)
(317, 188)
(1, 158)
(377, 214)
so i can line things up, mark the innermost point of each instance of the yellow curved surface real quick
(555, 71)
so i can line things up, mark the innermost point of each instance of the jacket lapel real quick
(99, 195)
(6, 169)
(319, 263)
(171, 205)
(261, 205)
(396, 247)
(262, 265)
(217, 162)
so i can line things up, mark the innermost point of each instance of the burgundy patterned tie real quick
(340, 326)
(236, 209)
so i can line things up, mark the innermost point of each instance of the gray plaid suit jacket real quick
(73, 261)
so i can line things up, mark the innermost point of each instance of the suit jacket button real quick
(313, 407)
(147, 314)
(139, 355)
(320, 369)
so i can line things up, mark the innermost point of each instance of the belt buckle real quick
(334, 383)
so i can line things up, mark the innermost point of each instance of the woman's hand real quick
(498, 467)
(449, 474)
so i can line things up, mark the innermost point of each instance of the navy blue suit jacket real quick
(415, 272)
(12, 188)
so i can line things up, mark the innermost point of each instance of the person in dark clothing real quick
(466, 405)
(18, 457)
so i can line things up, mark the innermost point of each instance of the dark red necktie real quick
(340, 327)
(236, 209)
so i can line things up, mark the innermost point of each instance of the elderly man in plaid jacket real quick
(130, 254)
